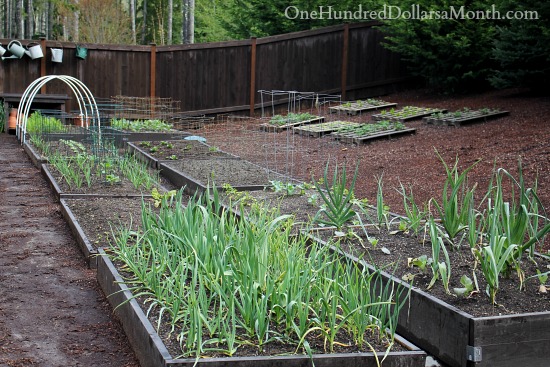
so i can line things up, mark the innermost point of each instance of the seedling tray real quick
(354, 108)
(359, 139)
(459, 118)
(317, 130)
(279, 128)
(407, 113)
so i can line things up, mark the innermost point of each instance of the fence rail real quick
(220, 77)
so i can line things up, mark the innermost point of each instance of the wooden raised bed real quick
(350, 137)
(459, 118)
(318, 130)
(60, 194)
(197, 149)
(354, 108)
(406, 113)
(151, 351)
(462, 340)
(279, 128)
(240, 174)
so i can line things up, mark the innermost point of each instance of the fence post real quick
(345, 55)
(153, 69)
(252, 74)
(43, 63)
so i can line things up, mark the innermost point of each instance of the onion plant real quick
(520, 218)
(439, 268)
(456, 199)
(414, 215)
(222, 282)
(495, 257)
(382, 210)
(337, 198)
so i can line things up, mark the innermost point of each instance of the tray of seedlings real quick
(362, 133)
(406, 113)
(353, 108)
(278, 123)
(464, 116)
(317, 130)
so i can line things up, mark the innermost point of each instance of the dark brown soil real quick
(179, 149)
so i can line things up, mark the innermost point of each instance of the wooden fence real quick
(220, 77)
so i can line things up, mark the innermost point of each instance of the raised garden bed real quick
(151, 351)
(359, 106)
(454, 336)
(367, 132)
(156, 152)
(196, 174)
(280, 123)
(317, 130)
(100, 187)
(406, 113)
(465, 116)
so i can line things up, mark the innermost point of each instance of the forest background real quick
(449, 54)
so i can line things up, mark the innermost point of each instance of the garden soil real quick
(52, 312)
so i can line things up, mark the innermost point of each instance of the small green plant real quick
(439, 268)
(213, 149)
(145, 144)
(172, 157)
(414, 215)
(112, 179)
(467, 287)
(162, 199)
(338, 208)
(421, 262)
(154, 149)
(167, 144)
(382, 210)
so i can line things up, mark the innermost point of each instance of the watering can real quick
(34, 51)
(57, 55)
(17, 50)
(2, 50)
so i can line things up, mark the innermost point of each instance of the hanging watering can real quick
(81, 52)
(34, 51)
(16, 49)
(57, 55)
(2, 50)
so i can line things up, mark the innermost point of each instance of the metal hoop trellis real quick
(80, 90)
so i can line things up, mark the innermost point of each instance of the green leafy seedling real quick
(467, 289)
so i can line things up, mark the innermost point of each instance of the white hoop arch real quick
(79, 89)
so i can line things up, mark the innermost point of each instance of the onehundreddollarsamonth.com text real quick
(415, 12)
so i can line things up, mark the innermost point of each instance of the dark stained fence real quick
(218, 77)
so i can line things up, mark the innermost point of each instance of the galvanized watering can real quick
(16, 49)
(34, 51)
(57, 55)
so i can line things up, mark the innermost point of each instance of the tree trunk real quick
(144, 25)
(18, 12)
(190, 21)
(133, 17)
(49, 26)
(170, 20)
(29, 29)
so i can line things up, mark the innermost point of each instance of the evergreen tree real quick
(522, 48)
